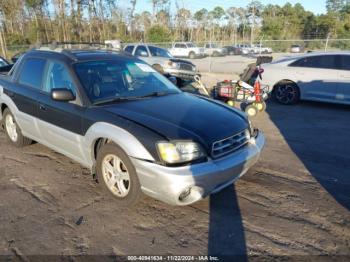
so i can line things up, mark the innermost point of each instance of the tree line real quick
(24, 22)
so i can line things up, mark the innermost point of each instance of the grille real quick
(230, 144)
(187, 67)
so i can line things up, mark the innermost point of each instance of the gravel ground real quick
(295, 201)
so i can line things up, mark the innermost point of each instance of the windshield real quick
(119, 79)
(156, 51)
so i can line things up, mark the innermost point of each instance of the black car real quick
(128, 124)
(233, 50)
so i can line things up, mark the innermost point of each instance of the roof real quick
(76, 55)
(311, 54)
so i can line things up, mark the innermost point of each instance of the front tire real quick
(117, 175)
(192, 55)
(13, 131)
(286, 93)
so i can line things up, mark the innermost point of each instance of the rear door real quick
(317, 77)
(60, 123)
(24, 92)
(343, 94)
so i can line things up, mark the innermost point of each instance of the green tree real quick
(158, 34)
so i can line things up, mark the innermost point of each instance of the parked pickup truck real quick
(161, 60)
(186, 49)
(128, 124)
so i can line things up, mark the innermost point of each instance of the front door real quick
(60, 122)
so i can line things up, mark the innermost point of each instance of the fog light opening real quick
(185, 194)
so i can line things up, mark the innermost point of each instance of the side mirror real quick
(143, 53)
(62, 94)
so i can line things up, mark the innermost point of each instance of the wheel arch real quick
(284, 81)
(101, 133)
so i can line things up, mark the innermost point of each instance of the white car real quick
(260, 49)
(186, 49)
(245, 48)
(314, 76)
(296, 49)
(211, 49)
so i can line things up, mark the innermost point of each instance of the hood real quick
(183, 116)
(176, 60)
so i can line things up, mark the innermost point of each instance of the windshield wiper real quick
(155, 94)
(114, 99)
(118, 99)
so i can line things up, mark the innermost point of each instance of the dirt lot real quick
(295, 201)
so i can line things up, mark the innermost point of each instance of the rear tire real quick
(13, 131)
(117, 175)
(286, 93)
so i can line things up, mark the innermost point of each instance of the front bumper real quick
(168, 183)
(185, 74)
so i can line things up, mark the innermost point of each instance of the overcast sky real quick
(316, 6)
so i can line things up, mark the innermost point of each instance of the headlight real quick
(174, 65)
(179, 151)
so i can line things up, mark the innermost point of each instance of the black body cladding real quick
(172, 117)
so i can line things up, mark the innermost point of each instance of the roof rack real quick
(66, 47)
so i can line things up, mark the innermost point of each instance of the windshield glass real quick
(156, 51)
(111, 80)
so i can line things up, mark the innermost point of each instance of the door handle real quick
(42, 107)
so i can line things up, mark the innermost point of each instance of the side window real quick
(31, 73)
(326, 62)
(345, 62)
(183, 46)
(141, 51)
(206, 45)
(129, 49)
(58, 77)
(177, 46)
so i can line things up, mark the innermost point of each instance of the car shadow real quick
(318, 134)
(226, 232)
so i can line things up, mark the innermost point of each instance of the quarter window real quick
(58, 77)
(32, 72)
